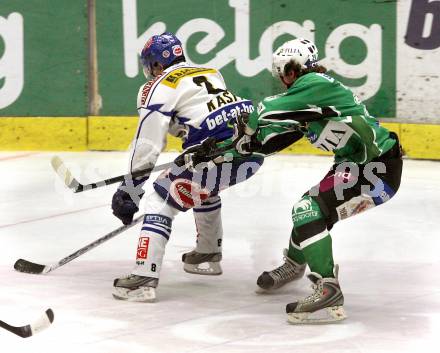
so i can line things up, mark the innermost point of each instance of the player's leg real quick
(156, 229)
(292, 269)
(315, 244)
(178, 189)
(346, 191)
(205, 258)
(295, 263)
(311, 243)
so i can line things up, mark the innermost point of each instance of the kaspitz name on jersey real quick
(227, 114)
(222, 99)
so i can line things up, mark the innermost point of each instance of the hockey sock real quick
(310, 232)
(154, 236)
(209, 226)
(319, 256)
(295, 252)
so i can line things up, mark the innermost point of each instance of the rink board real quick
(115, 133)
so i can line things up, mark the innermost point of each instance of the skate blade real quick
(205, 268)
(142, 294)
(324, 316)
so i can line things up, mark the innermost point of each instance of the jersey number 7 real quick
(203, 80)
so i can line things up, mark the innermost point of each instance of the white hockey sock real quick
(156, 230)
(209, 226)
(150, 252)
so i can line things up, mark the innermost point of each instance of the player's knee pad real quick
(308, 220)
(181, 188)
(185, 189)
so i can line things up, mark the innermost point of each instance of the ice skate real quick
(287, 272)
(324, 305)
(135, 288)
(202, 264)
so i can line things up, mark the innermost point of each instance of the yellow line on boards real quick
(114, 133)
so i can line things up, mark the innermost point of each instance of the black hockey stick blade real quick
(29, 330)
(25, 266)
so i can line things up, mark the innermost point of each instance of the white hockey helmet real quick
(301, 50)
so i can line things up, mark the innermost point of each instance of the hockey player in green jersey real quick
(366, 172)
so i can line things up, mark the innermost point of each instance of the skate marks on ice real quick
(390, 272)
(241, 329)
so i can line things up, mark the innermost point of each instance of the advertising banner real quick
(43, 58)
(238, 37)
(386, 51)
(418, 61)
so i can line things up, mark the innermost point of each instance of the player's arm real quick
(296, 108)
(279, 120)
(264, 138)
(273, 138)
(148, 143)
(150, 137)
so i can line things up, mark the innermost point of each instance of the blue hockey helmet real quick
(162, 49)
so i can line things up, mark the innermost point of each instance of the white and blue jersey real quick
(187, 101)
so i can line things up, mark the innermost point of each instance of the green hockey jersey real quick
(328, 114)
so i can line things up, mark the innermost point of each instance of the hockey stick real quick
(29, 330)
(206, 151)
(22, 265)
(72, 183)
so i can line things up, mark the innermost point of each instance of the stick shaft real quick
(26, 266)
(96, 243)
(11, 328)
(146, 172)
(73, 184)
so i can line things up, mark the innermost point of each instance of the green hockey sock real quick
(311, 234)
(319, 256)
(294, 252)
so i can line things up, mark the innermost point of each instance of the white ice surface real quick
(389, 266)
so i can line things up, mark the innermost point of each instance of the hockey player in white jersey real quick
(192, 103)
